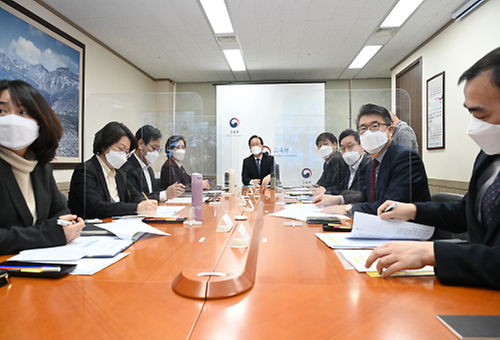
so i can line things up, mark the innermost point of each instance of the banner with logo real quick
(288, 117)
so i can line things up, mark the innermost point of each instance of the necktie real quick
(258, 165)
(488, 202)
(373, 179)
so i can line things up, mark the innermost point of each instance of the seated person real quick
(258, 167)
(335, 169)
(396, 172)
(30, 203)
(476, 264)
(99, 188)
(352, 185)
(403, 133)
(139, 166)
(172, 171)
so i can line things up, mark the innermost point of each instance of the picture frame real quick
(35, 51)
(435, 112)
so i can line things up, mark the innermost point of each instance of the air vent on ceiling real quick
(227, 39)
(384, 32)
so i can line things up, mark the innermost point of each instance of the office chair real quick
(444, 235)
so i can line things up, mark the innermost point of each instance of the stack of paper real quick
(130, 229)
(302, 211)
(369, 231)
(92, 253)
(357, 258)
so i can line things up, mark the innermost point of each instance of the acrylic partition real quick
(178, 114)
(297, 162)
(295, 150)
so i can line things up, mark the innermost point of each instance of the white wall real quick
(104, 73)
(453, 51)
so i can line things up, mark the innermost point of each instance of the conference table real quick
(287, 284)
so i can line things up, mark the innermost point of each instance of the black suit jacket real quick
(172, 173)
(89, 196)
(334, 172)
(249, 170)
(135, 175)
(477, 264)
(401, 178)
(17, 231)
(354, 193)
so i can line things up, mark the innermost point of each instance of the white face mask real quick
(116, 158)
(351, 157)
(256, 150)
(486, 135)
(17, 132)
(325, 151)
(373, 141)
(151, 157)
(179, 154)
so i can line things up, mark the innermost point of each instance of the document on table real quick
(161, 211)
(336, 240)
(90, 246)
(130, 229)
(179, 200)
(302, 211)
(370, 231)
(358, 259)
(90, 266)
(372, 226)
(168, 210)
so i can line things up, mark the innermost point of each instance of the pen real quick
(336, 226)
(389, 208)
(25, 269)
(64, 223)
(146, 197)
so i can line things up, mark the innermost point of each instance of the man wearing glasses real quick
(353, 183)
(395, 171)
(139, 167)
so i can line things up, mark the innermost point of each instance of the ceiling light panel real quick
(364, 56)
(400, 13)
(218, 16)
(235, 60)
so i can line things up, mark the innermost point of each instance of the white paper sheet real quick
(130, 229)
(179, 200)
(90, 266)
(372, 226)
(358, 259)
(340, 240)
(302, 211)
(91, 246)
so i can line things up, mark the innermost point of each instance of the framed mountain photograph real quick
(37, 52)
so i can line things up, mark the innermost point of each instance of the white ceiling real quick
(281, 40)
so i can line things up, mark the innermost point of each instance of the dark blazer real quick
(135, 175)
(477, 264)
(17, 231)
(171, 173)
(89, 196)
(401, 178)
(334, 172)
(249, 170)
(354, 193)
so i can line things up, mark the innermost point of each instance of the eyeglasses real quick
(123, 148)
(155, 148)
(375, 126)
(348, 147)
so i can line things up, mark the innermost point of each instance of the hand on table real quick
(324, 200)
(400, 255)
(72, 231)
